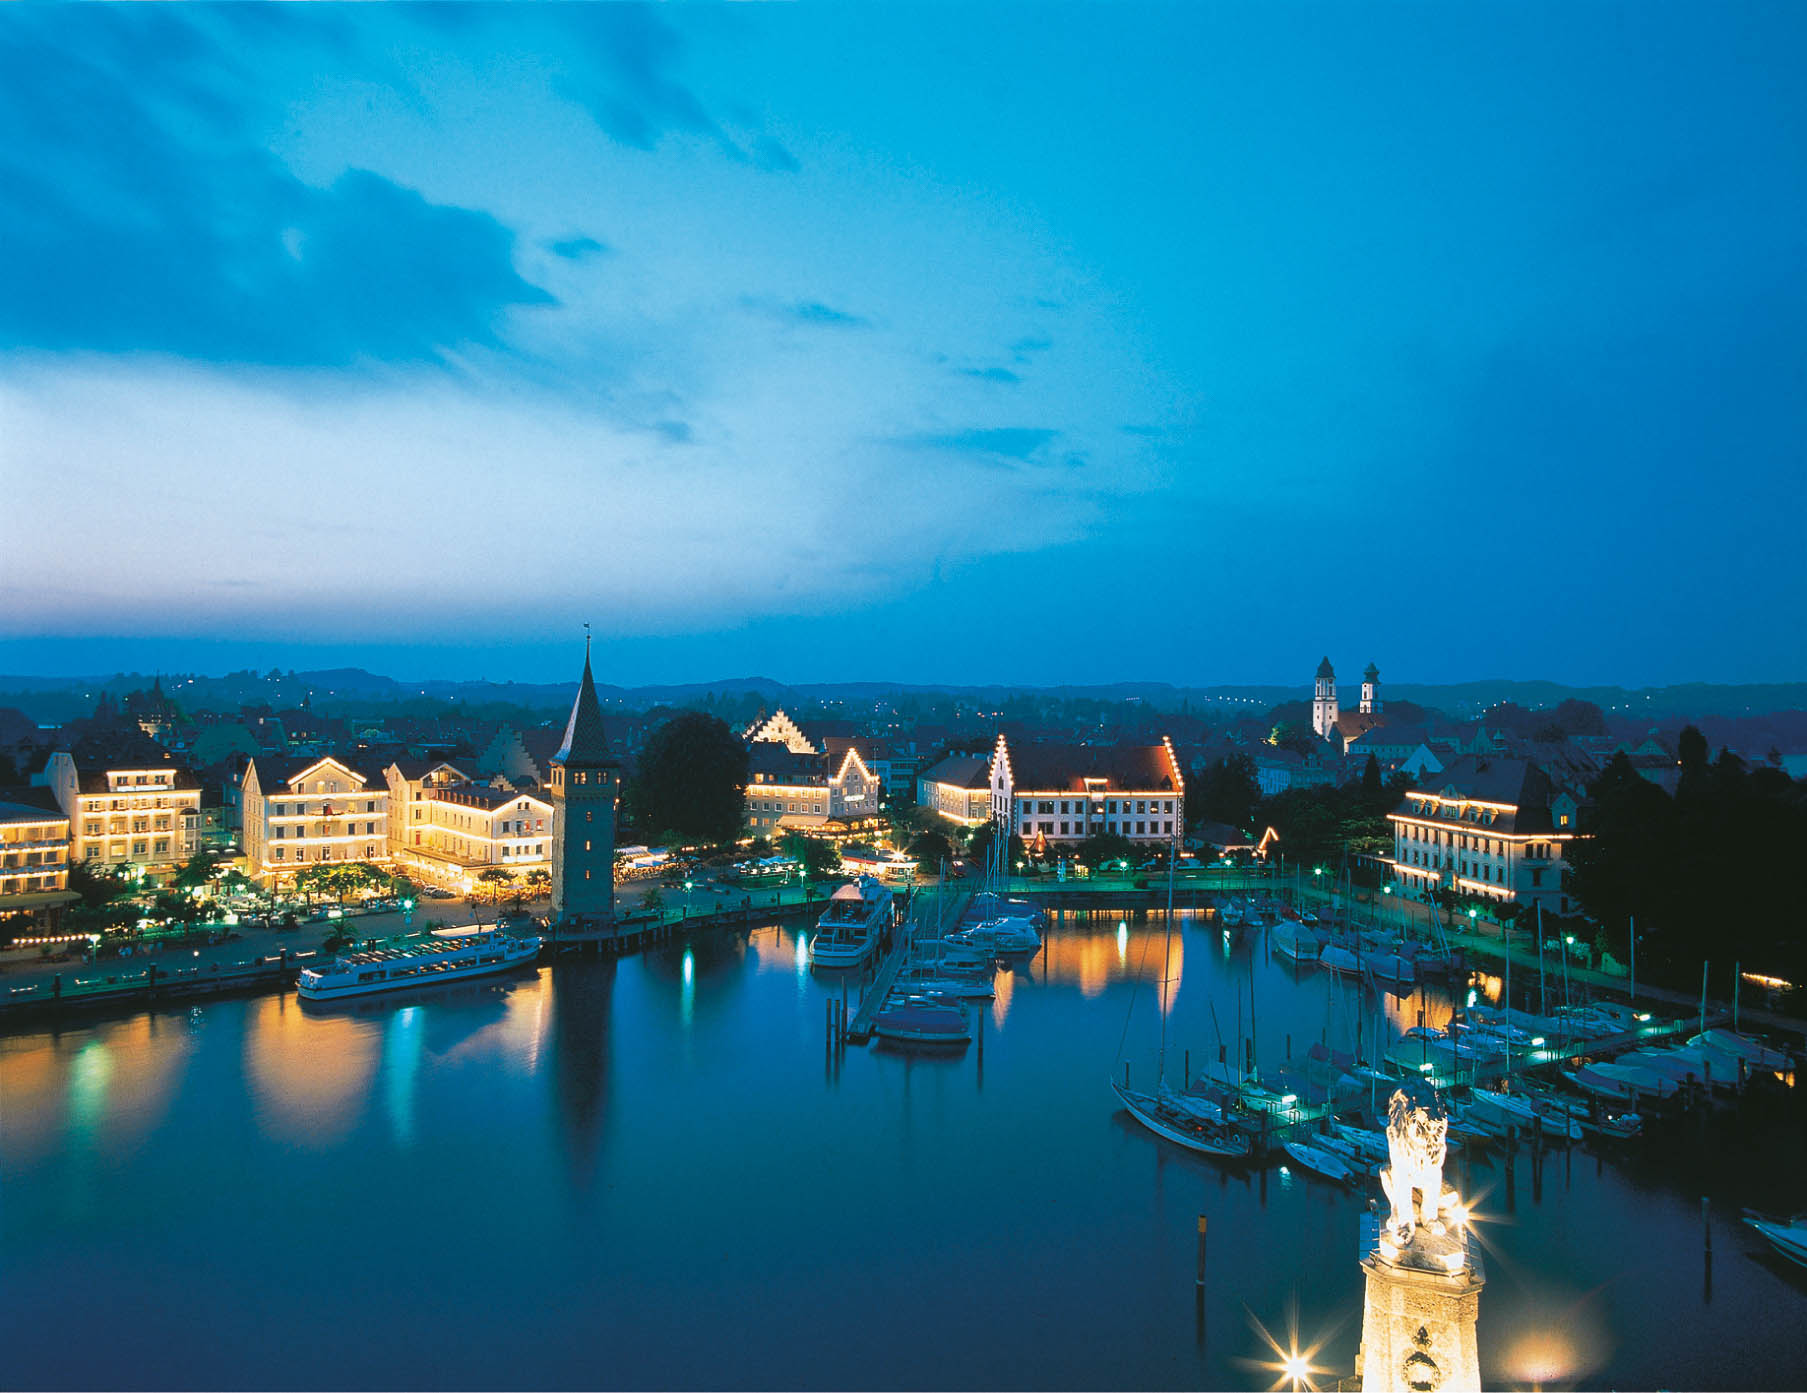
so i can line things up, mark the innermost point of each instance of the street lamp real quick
(688, 886)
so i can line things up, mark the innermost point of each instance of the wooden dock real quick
(859, 1029)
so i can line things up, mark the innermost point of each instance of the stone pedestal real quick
(1418, 1319)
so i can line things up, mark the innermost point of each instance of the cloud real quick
(806, 312)
(1017, 443)
(769, 154)
(991, 374)
(578, 248)
(139, 219)
(1036, 343)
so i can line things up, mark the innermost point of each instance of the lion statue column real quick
(1423, 1283)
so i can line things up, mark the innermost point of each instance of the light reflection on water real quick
(652, 1147)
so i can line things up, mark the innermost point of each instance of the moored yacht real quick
(848, 932)
(448, 955)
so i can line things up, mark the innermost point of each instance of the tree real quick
(1102, 847)
(1226, 790)
(1371, 784)
(692, 780)
(930, 849)
(495, 882)
(539, 883)
(196, 871)
(816, 856)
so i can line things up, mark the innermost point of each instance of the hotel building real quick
(446, 830)
(128, 804)
(1055, 794)
(309, 812)
(1491, 827)
(34, 869)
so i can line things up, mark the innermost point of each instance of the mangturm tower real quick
(585, 785)
(1323, 701)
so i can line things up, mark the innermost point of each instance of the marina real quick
(589, 1074)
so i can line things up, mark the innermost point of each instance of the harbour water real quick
(650, 1172)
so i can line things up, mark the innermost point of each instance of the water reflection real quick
(582, 1020)
(401, 1069)
(309, 1074)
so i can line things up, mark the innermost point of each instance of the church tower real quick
(1371, 691)
(585, 785)
(1323, 702)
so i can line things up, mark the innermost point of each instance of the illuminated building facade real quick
(1491, 827)
(445, 829)
(1330, 721)
(958, 789)
(586, 783)
(128, 805)
(1066, 793)
(34, 868)
(311, 812)
(796, 782)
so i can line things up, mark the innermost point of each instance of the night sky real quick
(941, 343)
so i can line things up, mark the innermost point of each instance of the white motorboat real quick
(920, 1020)
(1685, 1064)
(1370, 1145)
(1622, 1082)
(929, 981)
(1499, 1111)
(1294, 942)
(1316, 1158)
(848, 932)
(988, 904)
(1340, 959)
(999, 936)
(448, 955)
(1757, 1057)
(1787, 1236)
(1181, 1126)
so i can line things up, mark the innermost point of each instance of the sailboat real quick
(1181, 1119)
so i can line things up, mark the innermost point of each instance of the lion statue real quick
(1417, 1131)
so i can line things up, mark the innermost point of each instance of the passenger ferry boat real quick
(450, 955)
(848, 931)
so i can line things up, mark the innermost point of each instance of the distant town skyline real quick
(1158, 344)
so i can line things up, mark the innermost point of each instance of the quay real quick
(74, 989)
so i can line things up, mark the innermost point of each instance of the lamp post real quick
(689, 885)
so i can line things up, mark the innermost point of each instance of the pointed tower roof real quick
(1325, 670)
(1372, 674)
(584, 742)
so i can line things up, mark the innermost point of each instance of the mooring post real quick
(1201, 1253)
(1188, 1073)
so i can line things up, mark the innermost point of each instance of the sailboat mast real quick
(1166, 962)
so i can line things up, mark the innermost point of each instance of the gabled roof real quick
(1521, 787)
(584, 741)
(961, 771)
(781, 763)
(277, 771)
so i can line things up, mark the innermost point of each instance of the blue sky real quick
(964, 343)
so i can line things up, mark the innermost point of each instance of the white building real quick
(958, 789)
(446, 830)
(1486, 826)
(128, 804)
(310, 812)
(1066, 793)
